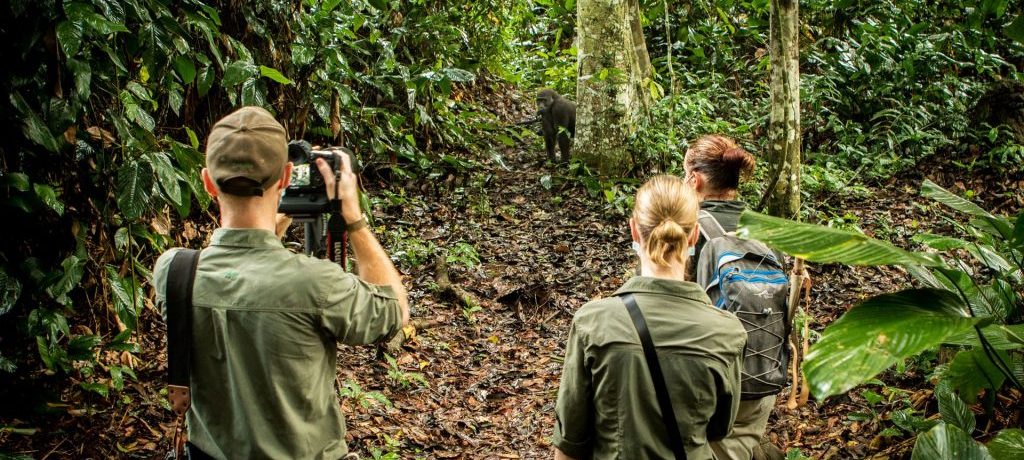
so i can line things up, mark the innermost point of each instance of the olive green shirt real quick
(607, 407)
(266, 323)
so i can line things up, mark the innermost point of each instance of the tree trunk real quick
(613, 67)
(784, 121)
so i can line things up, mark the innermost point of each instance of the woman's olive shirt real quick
(607, 406)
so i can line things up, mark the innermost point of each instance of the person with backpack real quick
(653, 371)
(743, 277)
(252, 327)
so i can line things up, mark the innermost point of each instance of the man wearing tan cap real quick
(266, 321)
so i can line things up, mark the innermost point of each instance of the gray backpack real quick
(746, 278)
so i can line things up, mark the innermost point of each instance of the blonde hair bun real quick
(665, 215)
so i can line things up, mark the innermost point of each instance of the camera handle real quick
(337, 238)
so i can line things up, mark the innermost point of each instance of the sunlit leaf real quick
(1007, 445)
(819, 244)
(946, 441)
(934, 191)
(274, 74)
(941, 243)
(192, 138)
(458, 75)
(876, 334)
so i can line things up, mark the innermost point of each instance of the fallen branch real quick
(445, 286)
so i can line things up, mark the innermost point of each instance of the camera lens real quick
(299, 152)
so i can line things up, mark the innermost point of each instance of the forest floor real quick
(480, 378)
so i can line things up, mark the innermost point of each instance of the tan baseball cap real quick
(247, 144)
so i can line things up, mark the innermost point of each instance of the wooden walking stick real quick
(805, 389)
(798, 279)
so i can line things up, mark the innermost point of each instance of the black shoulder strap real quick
(180, 277)
(709, 226)
(668, 416)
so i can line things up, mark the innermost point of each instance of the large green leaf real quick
(946, 441)
(458, 75)
(73, 269)
(83, 78)
(69, 35)
(820, 244)
(127, 297)
(934, 191)
(941, 243)
(1000, 336)
(167, 176)
(134, 186)
(80, 347)
(206, 79)
(953, 409)
(237, 72)
(1007, 445)
(972, 370)
(185, 68)
(959, 281)
(879, 332)
(274, 74)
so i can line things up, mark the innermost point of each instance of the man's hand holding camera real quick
(342, 184)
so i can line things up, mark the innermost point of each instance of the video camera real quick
(306, 194)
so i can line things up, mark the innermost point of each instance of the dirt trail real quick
(492, 373)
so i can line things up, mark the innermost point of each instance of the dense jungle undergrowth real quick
(107, 104)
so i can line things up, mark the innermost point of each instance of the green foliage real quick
(795, 454)
(1008, 444)
(463, 253)
(948, 441)
(884, 84)
(105, 114)
(546, 55)
(389, 451)
(403, 378)
(410, 251)
(977, 312)
(365, 399)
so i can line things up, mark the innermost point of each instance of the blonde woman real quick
(608, 406)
